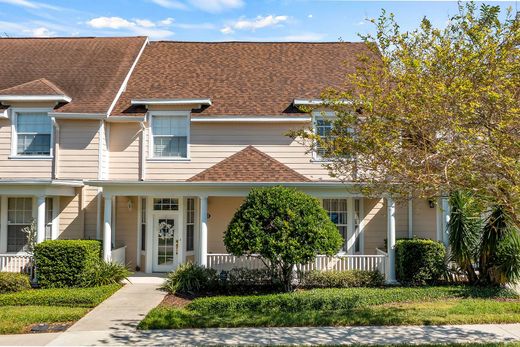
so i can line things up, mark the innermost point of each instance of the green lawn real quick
(19, 311)
(352, 306)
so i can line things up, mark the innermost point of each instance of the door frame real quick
(151, 241)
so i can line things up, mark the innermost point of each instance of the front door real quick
(166, 245)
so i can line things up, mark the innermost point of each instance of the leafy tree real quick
(285, 227)
(432, 111)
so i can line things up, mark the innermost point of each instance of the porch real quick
(164, 224)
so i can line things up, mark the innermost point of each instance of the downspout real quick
(56, 146)
(142, 150)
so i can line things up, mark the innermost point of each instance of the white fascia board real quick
(31, 98)
(127, 78)
(316, 102)
(260, 119)
(63, 115)
(125, 119)
(172, 102)
(103, 183)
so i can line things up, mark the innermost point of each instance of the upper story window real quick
(170, 136)
(32, 134)
(323, 123)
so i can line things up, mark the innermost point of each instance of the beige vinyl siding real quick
(210, 143)
(72, 216)
(78, 149)
(424, 220)
(221, 210)
(19, 168)
(126, 227)
(124, 151)
(91, 217)
(375, 224)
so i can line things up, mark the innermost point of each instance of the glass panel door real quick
(166, 243)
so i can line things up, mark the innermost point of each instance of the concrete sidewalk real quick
(298, 336)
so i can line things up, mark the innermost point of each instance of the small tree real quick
(285, 227)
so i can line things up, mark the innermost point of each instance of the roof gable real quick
(37, 87)
(90, 69)
(249, 165)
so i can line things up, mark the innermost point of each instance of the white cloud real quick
(167, 21)
(40, 32)
(254, 24)
(110, 22)
(216, 5)
(309, 16)
(194, 26)
(171, 4)
(145, 23)
(30, 4)
(143, 27)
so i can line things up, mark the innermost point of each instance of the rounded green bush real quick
(419, 261)
(191, 279)
(284, 226)
(13, 282)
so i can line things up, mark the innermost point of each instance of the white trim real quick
(101, 162)
(317, 102)
(125, 119)
(252, 119)
(86, 116)
(151, 155)
(127, 78)
(148, 245)
(172, 102)
(55, 228)
(14, 134)
(139, 226)
(3, 224)
(30, 98)
(320, 115)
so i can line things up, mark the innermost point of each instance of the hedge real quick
(13, 282)
(342, 279)
(419, 261)
(64, 263)
(72, 297)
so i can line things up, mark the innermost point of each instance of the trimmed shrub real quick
(284, 226)
(191, 279)
(64, 263)
(419, 261)
(104, 273)
(342, 279)
(240, 280)
(13, 282)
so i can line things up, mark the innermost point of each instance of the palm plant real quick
(499, 249)
(465, 228)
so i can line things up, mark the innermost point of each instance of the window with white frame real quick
(33, 134)
(190, 224)
(19, 216)
(338, 214)
(323, 128)
(170, 135)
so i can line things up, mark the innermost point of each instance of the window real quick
(19, 216)
(166, 204)
(143, 224)
(170, 136)
(190, 224)
(48, 218)
(33, 134)
(323, 124)
(337, 211)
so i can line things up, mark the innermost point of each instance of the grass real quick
(19, 311)
(351, 306)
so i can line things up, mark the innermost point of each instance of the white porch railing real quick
(22, 263)
(379, 262)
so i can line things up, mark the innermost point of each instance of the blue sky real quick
(214, 20)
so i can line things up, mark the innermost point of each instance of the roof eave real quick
(35, 98)
(172, 102)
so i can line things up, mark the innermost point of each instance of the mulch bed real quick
(175, 301)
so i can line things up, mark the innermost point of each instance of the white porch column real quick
(391, 240)
(410, 218)
(203, 239)
(3, 224)
(55, 227)
(40, 219)
(107, 229)
(446, 210)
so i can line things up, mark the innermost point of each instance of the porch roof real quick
(39, 187)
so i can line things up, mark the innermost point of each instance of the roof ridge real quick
(262, 42)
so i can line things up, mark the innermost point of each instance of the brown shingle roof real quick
(37, 87)
(91, 70)
(249, 165)
(241, 78)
